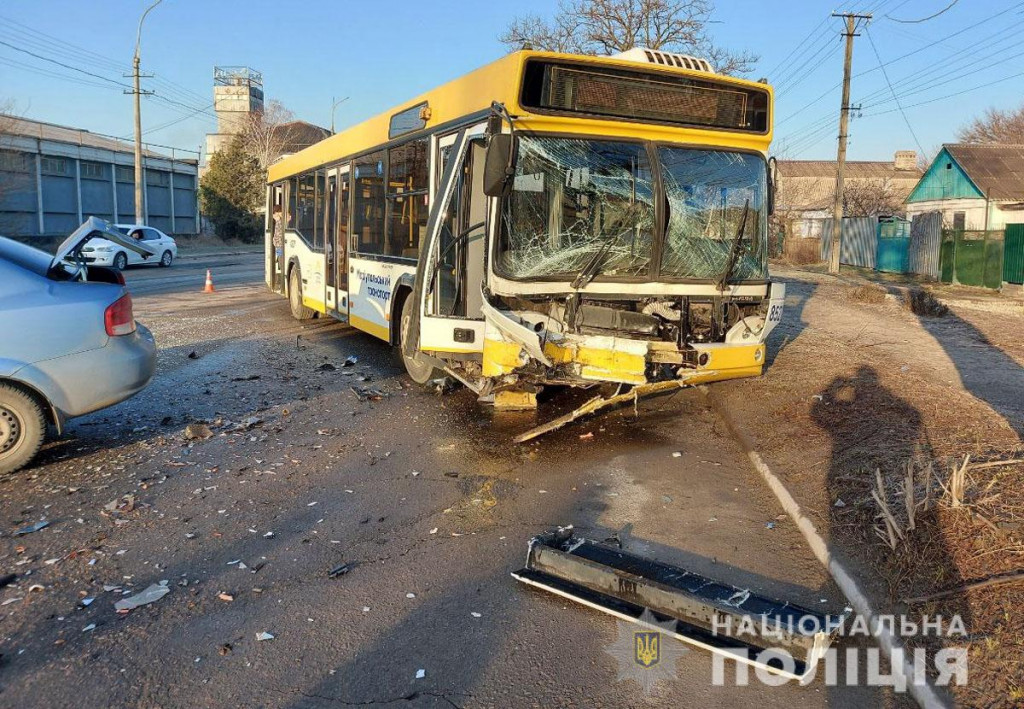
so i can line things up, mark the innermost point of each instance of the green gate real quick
(892, 253)
(972, 258)
(1013, 254)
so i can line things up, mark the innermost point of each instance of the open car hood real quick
(93, 228)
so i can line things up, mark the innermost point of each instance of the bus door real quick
(329, 230)
(339, 273)
(275, 201)
(450, 300)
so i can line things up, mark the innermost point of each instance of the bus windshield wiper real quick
(734, 251)
(593, 268)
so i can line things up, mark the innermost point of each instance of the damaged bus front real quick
(632, 262)
(607, 225)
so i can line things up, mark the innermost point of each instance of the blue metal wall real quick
(19, 195)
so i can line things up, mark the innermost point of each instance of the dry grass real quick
(868, 293)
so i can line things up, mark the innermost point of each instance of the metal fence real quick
(1013, 254)
(925, 244)
(972, 257)
(859, 241)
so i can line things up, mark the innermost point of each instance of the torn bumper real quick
(597, 359)
(518, 347)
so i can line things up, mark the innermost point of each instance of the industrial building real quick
(53, 177)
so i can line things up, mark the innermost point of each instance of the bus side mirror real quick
(773, 168)
(498, 167)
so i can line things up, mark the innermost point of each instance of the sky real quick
(942, 71)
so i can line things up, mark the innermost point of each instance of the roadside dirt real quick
(860, 386)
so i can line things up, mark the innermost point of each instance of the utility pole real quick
(844, 125)
(137, 91)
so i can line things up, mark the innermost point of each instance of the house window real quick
(54, 166)
(125, 173)
(959, 220)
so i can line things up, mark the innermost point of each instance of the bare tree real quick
(995, 126)
(13, 176)
(262, 135)
(611, 26)
(871, 198)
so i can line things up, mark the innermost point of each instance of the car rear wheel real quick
(121, 261)
(420, 370)
(166, 259)
(299, 311)
(22, 428)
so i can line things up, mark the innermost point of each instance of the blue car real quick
(69, 343)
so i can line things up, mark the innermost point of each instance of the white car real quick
(101, 252)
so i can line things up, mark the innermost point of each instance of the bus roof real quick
(500, 80)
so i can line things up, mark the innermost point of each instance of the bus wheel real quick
(419, 370)
(299, 311)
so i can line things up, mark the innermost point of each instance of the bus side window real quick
(368, 204)
(407, 198)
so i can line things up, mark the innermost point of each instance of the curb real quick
(925, 695)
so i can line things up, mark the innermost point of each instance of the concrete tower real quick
(237, 94)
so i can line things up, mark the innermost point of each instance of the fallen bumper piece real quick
(598, 403)
(715, 616)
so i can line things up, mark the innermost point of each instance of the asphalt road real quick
(188, 273)
(422, 494)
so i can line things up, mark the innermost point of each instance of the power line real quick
(65, 50)
(168, 124)
(904, 56)
(903, 113)
(958, 93)
(924, 19)
(66, 66)
(933, 70)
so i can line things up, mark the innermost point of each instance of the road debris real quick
(349, 361)
(410, 595)
(368, 394)
(420, 674)
(198, 431)
(150, 595)
(342, 569)
(598, 403)
(632, 587)
(475, 614)
(7, 580)
(89, 628)
(327, 367)
(225, 597)
(264, 636)
(42, 524)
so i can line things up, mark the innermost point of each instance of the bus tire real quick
(299, 311)
(420, 370)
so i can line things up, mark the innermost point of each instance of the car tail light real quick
(119, 318)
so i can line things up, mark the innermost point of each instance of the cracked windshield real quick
(573, 200)
(585, 204)
(707, 193)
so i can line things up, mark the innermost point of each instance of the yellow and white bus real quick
(545, 219)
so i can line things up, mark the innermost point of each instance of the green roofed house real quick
(973, 185)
